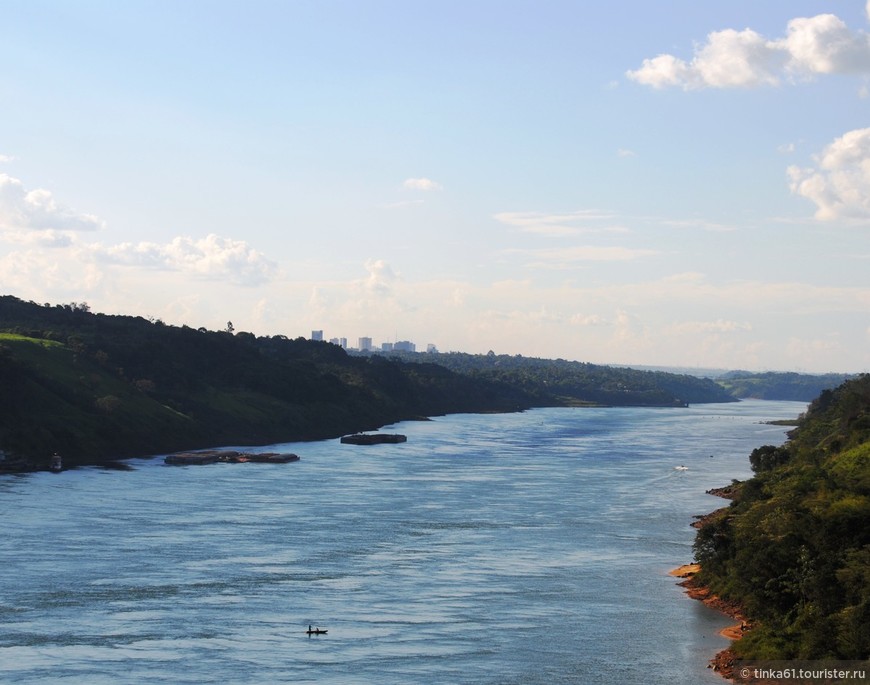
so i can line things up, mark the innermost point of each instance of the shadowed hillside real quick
(95, 387)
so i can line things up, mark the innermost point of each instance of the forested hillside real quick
(794, 546)
(95, 387)
(561, 382)
(800, 387)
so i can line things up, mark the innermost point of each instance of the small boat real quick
(56, 465)
(316, 631)
(681, 468)
(373, 438)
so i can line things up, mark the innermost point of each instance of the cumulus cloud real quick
(379, 300)
(37, 210)
(380, 279)
(840, 185)
(6, 158)
(424, 184)
(212, 257)
(745, 59)
(49, 238)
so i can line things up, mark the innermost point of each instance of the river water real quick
(512, 548)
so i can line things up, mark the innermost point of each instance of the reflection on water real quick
(516, 548)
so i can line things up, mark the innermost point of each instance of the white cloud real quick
(824, 45)
(36, 210)
(380, 279)
(813, 348)
(559, 258)
(424, 184)
(623, 152)
(559, 224)
(375, 302)
(211, 257)
(717, 326)
(6, 158)
(595, 221)
(49, 238)
(744, 59)
(589, 320)
(840, 186)
(702, 224)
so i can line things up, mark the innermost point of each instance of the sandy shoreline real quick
(723, 662)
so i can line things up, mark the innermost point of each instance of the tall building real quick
(317, 335)
(365, 344)
(405, 346)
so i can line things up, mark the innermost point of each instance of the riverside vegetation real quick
(96, 387)
(800, 387)
(793, 547)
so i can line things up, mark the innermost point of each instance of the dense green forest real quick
(794, 545)
(561, 382)
(800, 387)
(94, 386)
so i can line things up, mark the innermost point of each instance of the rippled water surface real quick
(514, 548)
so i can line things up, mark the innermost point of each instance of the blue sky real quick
(676, 183)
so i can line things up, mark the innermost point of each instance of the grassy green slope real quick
(57, 400)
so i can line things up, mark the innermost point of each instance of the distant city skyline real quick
(636, 183)
(367, 344)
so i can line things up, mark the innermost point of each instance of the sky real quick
(677, 183)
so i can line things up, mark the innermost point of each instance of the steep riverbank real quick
(793, 546)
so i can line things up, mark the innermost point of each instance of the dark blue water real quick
(516, 548)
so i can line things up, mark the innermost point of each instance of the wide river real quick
(504, 549)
